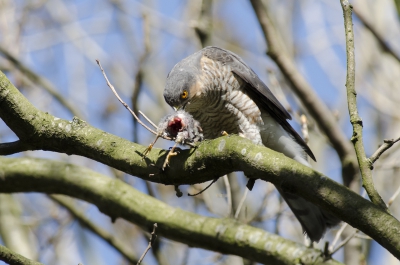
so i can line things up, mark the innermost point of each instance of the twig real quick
(394, 196)
(13, 147)
(355, 119)
(151, 242)
(337, 236)
(228, 194)
(139, 73)
(85, 222)
(144, 116)
(203, 25)
(344, 242)
(376, 34)
(122, 102)
(239, 208)
(387, 143)
(203, 190)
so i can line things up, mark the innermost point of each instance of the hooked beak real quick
(177, 108)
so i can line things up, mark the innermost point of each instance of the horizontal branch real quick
(119, 200)
(209, 160)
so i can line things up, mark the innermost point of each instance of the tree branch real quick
(387, 143)
(209, 160)
(13, 258)
(13, 147)
(318, 110)
(119, 200)
(355, 119)
(376, 34)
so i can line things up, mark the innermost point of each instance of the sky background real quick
(60, 41)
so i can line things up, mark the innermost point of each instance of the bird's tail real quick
(314, 220)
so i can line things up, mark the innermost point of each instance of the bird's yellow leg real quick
(224, 133)
(148, 149)
(170, 154)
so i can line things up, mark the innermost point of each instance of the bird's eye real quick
(184, 94)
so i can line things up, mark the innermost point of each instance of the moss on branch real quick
(39, 130)
(117, 199)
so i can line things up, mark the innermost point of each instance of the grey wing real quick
(257, 90)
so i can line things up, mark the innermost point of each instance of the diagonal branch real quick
(368, 25)
(355, 119)
(387, 143)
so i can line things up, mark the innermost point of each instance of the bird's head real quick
(182, 82)
(179, 87)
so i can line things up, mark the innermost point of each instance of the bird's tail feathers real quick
(314, 220)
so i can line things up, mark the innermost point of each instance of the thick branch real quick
(209, 160)
(117, 199)
(355, 119)
(314, 105)
(13, 258)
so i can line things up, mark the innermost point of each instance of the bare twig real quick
(387, 143)
(140, 72)
(203, 190)
(394, 196)
(147, 119)
(228, 194)
(355, 119)
(241, 203)
(344, 242)
(203, 25)
(368, 25)
(13, 147)
(151, 242)
(122, 102)
(337, 236)
(85, 222)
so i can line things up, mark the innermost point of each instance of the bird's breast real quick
(222, 104)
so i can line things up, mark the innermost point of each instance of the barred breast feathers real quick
(223, 105)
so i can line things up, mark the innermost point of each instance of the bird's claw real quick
(147, 150)
(224, 133)
(166, 162)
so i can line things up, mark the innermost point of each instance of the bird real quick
(224, 94)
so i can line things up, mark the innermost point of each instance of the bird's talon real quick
(147, 150)
(166, 162)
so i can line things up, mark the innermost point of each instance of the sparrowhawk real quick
(224, 94)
